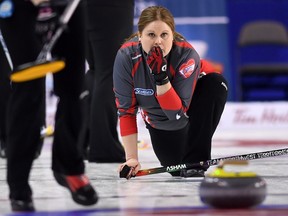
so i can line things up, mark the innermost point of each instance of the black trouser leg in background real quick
(5, 92)
(25, 111)
(68, 85)
(205, 111)
(108, 24)
(85, 107)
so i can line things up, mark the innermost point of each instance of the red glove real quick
(158, 65)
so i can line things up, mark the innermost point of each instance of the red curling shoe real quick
(81, 190)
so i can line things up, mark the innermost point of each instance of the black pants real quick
(193, 143)
(108, 24)
(5, 92)
(26, 101)
(4, 96)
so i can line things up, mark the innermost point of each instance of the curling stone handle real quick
(232, 162)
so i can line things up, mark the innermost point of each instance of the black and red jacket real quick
(135, 88)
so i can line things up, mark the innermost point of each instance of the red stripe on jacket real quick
(170, 100)
(128, 44)
(208, 67)
(128, 125)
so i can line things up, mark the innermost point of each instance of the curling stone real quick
(223, 189)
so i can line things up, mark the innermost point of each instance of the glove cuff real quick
(162, 82)
(161, 78)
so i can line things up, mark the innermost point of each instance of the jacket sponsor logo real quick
(186, 69)
(144, 92)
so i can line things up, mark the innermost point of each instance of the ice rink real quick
(161, 194)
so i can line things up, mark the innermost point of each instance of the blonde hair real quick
(153, 13)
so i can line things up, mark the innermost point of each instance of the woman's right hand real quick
(131, 163)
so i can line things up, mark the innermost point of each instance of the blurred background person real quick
(108, 23)
(27, 98)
